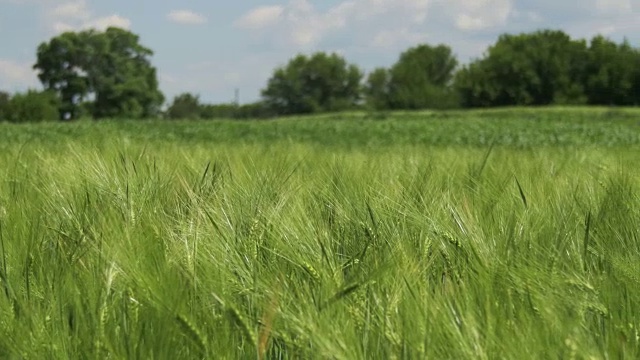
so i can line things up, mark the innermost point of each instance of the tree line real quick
(109, 74)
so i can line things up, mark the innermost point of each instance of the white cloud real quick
(389, 38)
(72, 10)
(526, 16)
(260, 17)
(60, 27)
(607, 30)
(76, 15)
(473, 15)
(468, 22)
(301, 24)
(104, 22)
(186, 17)
(613, 18)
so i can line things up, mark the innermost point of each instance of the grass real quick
(514, 127)
(323, 238)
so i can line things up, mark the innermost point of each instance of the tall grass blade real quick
(522, 196)
(585, 244)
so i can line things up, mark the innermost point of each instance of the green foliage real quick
(256, 110)
(186, 247)
(133, 91)
(421, 77)
(110, 66)
(5, 98)
(62, 66)
(219, 111)
(612, 73)
(188, 106)
(185, 106)
(540, 68)
(310, 84)
(109, 75)
(31, 106)
(476, 87)
(376, 89)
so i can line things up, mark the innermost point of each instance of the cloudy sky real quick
(211, 47)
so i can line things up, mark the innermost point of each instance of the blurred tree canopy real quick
(108, 74)
(110, 69)
(185, 106)
(420, 79)
(548, 67)
(310, 84)
(29, 106)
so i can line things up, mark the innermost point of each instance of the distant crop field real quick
(512, 127)
(454, 235)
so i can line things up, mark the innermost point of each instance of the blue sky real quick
(212, 47)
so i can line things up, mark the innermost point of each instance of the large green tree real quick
(308, 84)
(62, 68)
(540, 68)
(612, 73)
(421, 78)
(111, 68)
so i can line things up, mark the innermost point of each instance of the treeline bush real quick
(29, 106)
(548, 67)
(545, 67)
(189, 106)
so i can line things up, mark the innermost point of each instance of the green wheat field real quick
(502, 234)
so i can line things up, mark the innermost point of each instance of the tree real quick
(321, 82)
(126, 84)
(476, 86)
(219, 111)
(62, 64)
(111, 67)
(421, 78)
(185, 106)
(256, 110)
(540, 68)
(5, 97)
(376, 89)
(612, 72)
(32, 106)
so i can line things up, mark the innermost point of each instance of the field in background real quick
(514, 127)
(462, 235)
